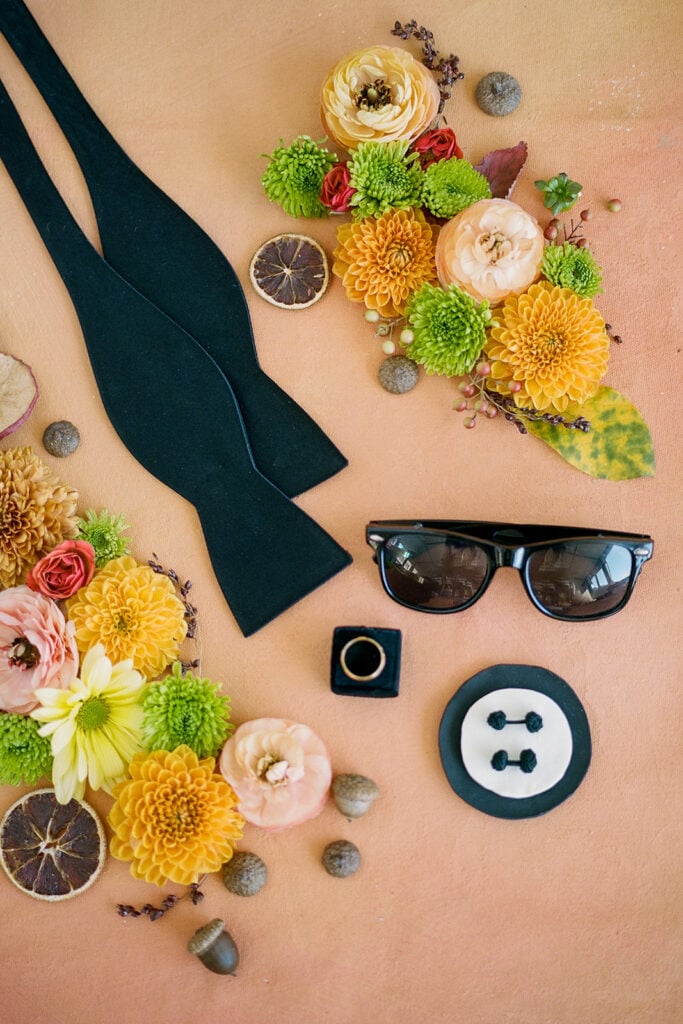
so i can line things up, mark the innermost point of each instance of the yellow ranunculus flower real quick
(378, 95)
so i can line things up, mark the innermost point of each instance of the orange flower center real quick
(177, 815)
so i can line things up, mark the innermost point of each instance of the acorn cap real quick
(205, 936)
(354, 794)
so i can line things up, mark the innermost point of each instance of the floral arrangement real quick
(94, 693)
(439, 255)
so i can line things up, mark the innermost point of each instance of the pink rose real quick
(438, 144)
(280, 771)
(336, 190)
(62, 572)
(37, 648)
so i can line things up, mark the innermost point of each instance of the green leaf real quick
(618, 445)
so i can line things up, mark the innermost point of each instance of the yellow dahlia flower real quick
(175, 818)
(133, 612)
(383, 260)
(491, 250)
(378, 95)
(93, 725)
(37, 512)
(553, 343)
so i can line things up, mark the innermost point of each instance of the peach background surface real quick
(454, 916)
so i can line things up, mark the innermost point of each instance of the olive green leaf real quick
(618, 445)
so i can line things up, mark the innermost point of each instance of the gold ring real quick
(372, 660)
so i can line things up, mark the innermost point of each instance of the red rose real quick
(439, 144)
(67, 568)
(336, 190)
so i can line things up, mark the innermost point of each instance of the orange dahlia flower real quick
(553, 343)
(175, 818)
(133, 612)
(382, 261)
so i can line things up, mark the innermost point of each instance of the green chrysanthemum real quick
(452, 185)
(294, 177)
(103, 531)
(449, 329)
(24, 755)
(184, 709)
(570, 267)
(384, 179)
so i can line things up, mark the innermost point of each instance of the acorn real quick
(341, 858)
(245, 874)
(498, 93)
(354, 795)
(398, 374)
(215, 948)
(61, 438)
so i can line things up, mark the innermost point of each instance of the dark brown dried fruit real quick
(51, 851)
(290, 271)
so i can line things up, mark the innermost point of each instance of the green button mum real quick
(294, 177)
(449, 329)
(184, 709)
(452, 185)
(384, 179)
(24, 755)
(573, 268)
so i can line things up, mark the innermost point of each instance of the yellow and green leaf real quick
(618, 445)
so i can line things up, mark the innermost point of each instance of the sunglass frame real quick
(523, 540)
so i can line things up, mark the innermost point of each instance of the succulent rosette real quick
(37, 648)
(380, 94)
(491, 250)
(280, 771)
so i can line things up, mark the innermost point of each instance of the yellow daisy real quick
(133, 612)
(552, 343)
(383, 260)
(94, 725)
(175, 819)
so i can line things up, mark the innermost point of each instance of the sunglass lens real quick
(434, 572)
(581, 579)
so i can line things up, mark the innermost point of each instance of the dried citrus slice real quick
(51, 851)
(290, 271)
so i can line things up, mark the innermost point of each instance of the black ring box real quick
(386, 684)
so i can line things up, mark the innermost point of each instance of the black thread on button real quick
(527, 761)
(532, 720)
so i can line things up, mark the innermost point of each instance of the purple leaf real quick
(501, 168)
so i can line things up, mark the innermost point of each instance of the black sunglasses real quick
(568, 572)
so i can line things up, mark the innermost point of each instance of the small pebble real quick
(61, 438)
(398, 374)
(498, 93)
(245, 874)
(341, 858)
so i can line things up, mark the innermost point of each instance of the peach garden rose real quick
(491, 250)
(380, 94)
(280, 771)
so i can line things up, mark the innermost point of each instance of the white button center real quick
(552, 744)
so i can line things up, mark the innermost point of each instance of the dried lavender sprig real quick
(447, 67)
(516, 414)
(156, 913)
(617, 338)
(183, 589)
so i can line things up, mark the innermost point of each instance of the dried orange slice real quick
(51, 851)
(290, 271)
